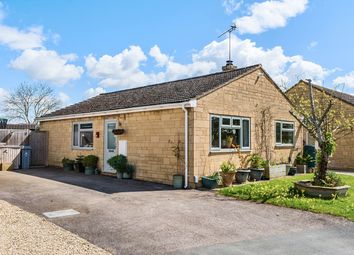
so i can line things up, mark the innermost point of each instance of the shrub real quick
(90, 161)
(130, 168)
(119, 163)
(256, 161)
(331, 180)
(303, 159)
(66, 161)
(227, 167)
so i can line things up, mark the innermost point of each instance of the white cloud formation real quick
(124, 69)
(92, 92)
(232, 5)
(48, 65)
(346, 80)
(269, 14)
(21, 39)
(63, 98)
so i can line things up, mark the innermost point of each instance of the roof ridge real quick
(184, 79)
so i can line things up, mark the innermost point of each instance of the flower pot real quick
(68, 167)
(79, 167)
(228, 178)
(89, 170)
(242, 175)
(119, 175)
(292, 171)
(256, 174)
(209, 183)
(126, 175)
(178, 181)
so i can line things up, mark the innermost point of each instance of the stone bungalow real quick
(199, 112)
(343, 157)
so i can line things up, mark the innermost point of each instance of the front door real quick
(110, 144)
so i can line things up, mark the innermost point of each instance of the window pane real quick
(215, 132)
(76, 135)
(111, 139)
(245, 133)
(236, 122)
(226, 121)
(287, 137)
(86, 126)
(230, 138)
(288, 125)
(278, 132)
(86, 139)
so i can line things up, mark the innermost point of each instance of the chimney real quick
(229, 66)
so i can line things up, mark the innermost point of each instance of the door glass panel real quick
(111, 139)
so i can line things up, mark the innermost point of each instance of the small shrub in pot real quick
(257, 167)
(90, 163)
(227, 173)
(68, 164)
(78, 165)
(119, 163)
(211, 181)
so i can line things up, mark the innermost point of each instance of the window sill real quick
(82, 148)
(284, 146)
(229, 151)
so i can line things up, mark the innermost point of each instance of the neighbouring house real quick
(343, 157)
(204, 113)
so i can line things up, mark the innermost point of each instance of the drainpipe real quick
(185, 146)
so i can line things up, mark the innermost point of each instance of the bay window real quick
(284, 133)
(82, 135)
(227, 132)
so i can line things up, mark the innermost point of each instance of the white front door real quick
(110, 144)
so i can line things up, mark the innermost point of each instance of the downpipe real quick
(185, 146)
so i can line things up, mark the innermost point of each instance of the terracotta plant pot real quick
(228, 178)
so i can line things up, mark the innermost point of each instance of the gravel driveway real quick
(132, 217)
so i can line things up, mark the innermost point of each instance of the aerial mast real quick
(229, 65)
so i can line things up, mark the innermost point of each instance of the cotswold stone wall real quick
(148, 135)
(245, 97)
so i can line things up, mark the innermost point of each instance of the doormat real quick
(61, 213)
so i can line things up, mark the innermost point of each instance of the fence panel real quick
(14, 136)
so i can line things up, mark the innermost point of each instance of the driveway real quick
(133, 217)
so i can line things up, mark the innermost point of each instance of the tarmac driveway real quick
(133, 217)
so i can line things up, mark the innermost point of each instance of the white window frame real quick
(281, 122)
(219, 149)
(78, 147)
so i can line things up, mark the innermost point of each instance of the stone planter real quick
(209, 183)
(242, 175)
(89, 170)
(178, 181)
(275, 171)
(301, 169)
(228, 178)
(256, 174)
(320, 191)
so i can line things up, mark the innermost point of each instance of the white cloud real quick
(63, 98)
(312, 45)
(21, 39)
(269, 14)
(231, 6)
(48, 65)
(124, 69)
(92, 92)
(347, 80)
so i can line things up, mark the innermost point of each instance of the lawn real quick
(279, 192)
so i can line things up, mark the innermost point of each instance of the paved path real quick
(132, 217)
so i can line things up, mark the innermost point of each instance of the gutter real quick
(190, 103)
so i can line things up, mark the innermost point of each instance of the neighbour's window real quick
(83, 135)
(228, 132)
(284, 133)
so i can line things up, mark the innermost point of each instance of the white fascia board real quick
(191, 103)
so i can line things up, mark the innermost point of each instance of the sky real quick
(83, 48)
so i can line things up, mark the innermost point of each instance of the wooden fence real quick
(14, 139)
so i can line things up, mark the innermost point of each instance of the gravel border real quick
(24, 233)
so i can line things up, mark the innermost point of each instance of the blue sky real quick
(82, 48)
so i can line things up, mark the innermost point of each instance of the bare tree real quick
(325, 118)
(30, 101)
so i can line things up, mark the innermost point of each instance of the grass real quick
(279, 192)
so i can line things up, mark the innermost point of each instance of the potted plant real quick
(256, 167)
(227, 173)
(128, 173)
(229, 139)
(90, 163)
(78, 165)
(242, 172)
(177, 179)
(301, 162)
(68, 164)
(211, 181)
(119, 163)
